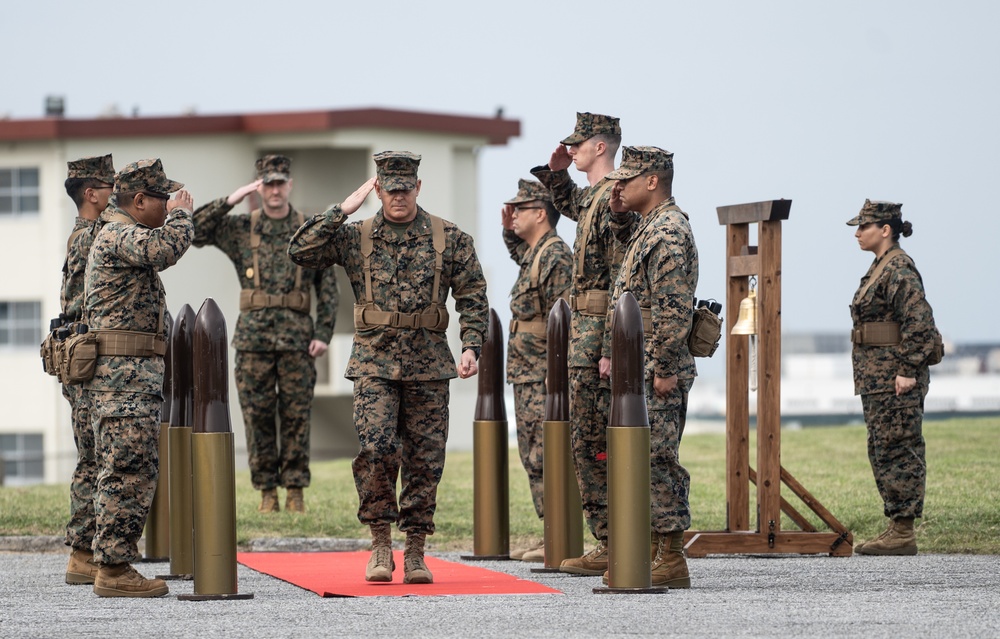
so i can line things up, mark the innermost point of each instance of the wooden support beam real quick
(788, 509)
(737, 392)
(769, 378)
(814, 505)
(703, 544)
(769, 211)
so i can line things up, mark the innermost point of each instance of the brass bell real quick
(746, 321)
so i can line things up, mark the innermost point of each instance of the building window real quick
(22, 459)
(19, 191)
(20, 324)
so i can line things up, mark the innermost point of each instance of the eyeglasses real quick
(156, 196)
(521, 209)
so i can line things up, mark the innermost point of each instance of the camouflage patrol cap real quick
(145, 176)
(273, 168)
(876, 211)
(637, 160)
(396, 170)
(530, 191)
(590, 124)
(97, 168)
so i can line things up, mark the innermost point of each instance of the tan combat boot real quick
(535, 555)
(898, 539)
(380, 564)
(122, 580)
(414, 569)
(294, 502)
(594, 562)
(669, 567)
(268, 501)
(654, 547)
(82, 568)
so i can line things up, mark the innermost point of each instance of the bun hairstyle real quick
(898, 226)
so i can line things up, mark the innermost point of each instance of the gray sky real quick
(821, 103)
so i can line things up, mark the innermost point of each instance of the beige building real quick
(212, 155)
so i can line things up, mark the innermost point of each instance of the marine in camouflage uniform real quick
(891, 372)
(660, 269)
(529, 233)
(135, 241)
(89, 183)
(596, 257)
(276, 344)
(400, 360)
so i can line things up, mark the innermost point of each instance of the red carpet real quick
(342, 574)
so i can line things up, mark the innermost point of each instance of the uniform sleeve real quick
(315, 244)
(916, 319)
(468, 287)
(566, 194)
(327, 302)
(622, 225)
(208, 221)
(515, 245)
(158, 248)
(557, 276)
(670, 309)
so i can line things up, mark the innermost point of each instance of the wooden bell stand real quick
(744, 261)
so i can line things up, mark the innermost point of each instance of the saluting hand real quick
(615, 202)
(356, 199)
(507, 217)
(181, 199)
(467, 366)
(240, 194)
(561, 159)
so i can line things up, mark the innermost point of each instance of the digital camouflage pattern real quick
(83, 484)
(124, 291)
(637, 160)
(75, 268)
(601, 255)
(145, 176)
(590, 124)
(877, 211)
(530, 191)
(590, 406)
(96, 168)
(897, 296)
(527, 357)
(401, 424)
(80, 529)
(400, 375)
(526, 352)
(670, 482)
(397, 170)
(660, 269)
(529, 415)
(273, 168)
(402, 280)
(276, 384)
(896, 447)
(275, 328)
(274, 372)
(663, 278)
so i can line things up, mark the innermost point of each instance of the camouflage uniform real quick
(597, 256)
(124, 291)
(660, 269)
(400, 374)
(80, 529)
(896, 447)
(273, 368)
(526, 350)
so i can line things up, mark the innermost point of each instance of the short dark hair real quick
(611, 140)
(551, 213)
(76, 186)
(665, 177)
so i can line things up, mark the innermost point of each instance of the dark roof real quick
(497, 130)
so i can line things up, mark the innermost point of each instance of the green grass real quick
(962, 510)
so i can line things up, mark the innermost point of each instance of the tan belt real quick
(593, 302)
(876, 334)
(366, 317)
(131, 343)
(252, 299)
(536, 327)
(647, 319)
